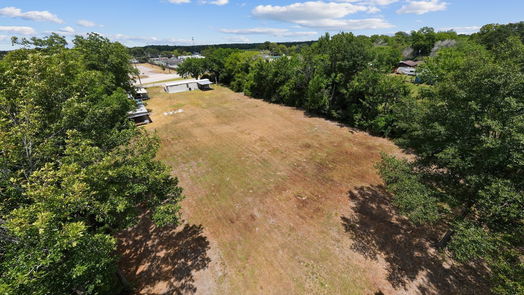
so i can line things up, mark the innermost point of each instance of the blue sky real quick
(141, 22)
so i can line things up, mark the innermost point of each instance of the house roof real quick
(410, 63)
(204, 82)
(180, 82)
(141, 90)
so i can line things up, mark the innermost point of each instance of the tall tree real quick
(469, 139)
(74, 169)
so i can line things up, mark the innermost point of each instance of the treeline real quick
(167, 50)
(465, 125)
(73, 168)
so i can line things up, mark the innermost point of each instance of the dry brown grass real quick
(289, 204)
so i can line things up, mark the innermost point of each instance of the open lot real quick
(278, 202)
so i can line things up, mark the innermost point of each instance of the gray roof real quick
(204, 82)
(180, 82)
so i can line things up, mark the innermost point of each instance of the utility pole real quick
(139, 80)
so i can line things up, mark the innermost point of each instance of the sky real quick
(186, 22)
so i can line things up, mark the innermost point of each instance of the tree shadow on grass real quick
(163, 260)
(377, 230)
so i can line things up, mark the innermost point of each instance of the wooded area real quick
(74, 169)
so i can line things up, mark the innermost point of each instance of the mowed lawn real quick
(277, 202)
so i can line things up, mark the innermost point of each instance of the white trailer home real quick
(187, 85)
(140, 115)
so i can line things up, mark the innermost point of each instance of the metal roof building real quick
(187, 85)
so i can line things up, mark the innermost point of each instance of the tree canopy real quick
(74, 168)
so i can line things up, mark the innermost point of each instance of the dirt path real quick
(278, 203)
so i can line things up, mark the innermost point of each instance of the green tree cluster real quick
(468, 134)
(73, 168)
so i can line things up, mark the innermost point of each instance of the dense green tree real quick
(111, 58)
(448, 60)
(192, 67)
(491, 35)
(469, 138)
(423, 40)
(385, 58)
(216, 59)
(74, 169)
(237, 67)
(370, 99)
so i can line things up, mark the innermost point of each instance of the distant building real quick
(194, 55)
(409, 64)
(407, 67)
(187, 85)
(406, 71)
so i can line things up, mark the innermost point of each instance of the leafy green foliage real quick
(74, 168)
(371, 97)
(492, 35)
(413, 198)
(470, 242)
(192, 67)
(468, 133)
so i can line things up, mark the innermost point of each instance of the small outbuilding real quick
(406, 71)
(407, 67)
(204, 84)
(187, 85)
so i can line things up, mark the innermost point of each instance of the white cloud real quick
(65, 31)
(30, 15)
(370, 2)
(179, 1)
(307, 11)
(421, 7)
(267, 31)
(147, 40)
(325, 15)
(18, 30)
(217, 2)
(382, 2)
(87, 23)
(3, 37)
(347, 24)
(462, 30)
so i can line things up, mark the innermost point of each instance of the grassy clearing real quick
(271, 188)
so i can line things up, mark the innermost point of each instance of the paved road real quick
(153, 77)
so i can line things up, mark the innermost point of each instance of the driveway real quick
(153, 76)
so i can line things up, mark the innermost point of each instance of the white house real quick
(187, 85)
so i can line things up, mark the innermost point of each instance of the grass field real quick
(277, 202)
